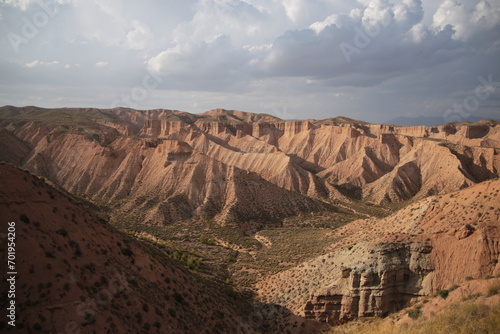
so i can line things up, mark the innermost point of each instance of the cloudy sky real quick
(368, 59)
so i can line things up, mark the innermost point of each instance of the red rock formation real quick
(294, 127)
(383, 163)
(379, 290)
(380, 265)
(161, 128)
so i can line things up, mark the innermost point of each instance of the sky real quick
(372, 60)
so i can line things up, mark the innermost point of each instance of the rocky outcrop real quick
(379, 265)
(268, 132)
(295, 127)
(472, 132)
(161, 128)
(213, 128)
(413, 131)
(365, 280)
(391, 277)
(176, 151)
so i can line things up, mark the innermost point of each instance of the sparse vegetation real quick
(62, 232)
(493, 289)
(207, 241)
(469, 318)
(24, 218)
(127, 251)
(443, 293)
(414, 313)
(190, 262)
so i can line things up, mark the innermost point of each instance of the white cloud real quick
(101, 64)
(36, 63)
(295, 9)
(467, 18)
(418, 33)
(321, 25)
(94, 20)
(21, 4)
(377, 12)
(338, 20)
(32, 64)
(217, 62)
(139, 38)
(114, 8)
(24, 5)
(409, 12)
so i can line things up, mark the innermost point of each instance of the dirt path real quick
(266, 243)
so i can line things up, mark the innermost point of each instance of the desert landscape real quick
(250, 166)
(163, 221)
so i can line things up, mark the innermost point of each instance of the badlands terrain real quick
(161, 221)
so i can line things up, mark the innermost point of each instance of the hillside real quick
(378, 266)
(116, 156)
(75, 271)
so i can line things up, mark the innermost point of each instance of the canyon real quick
(380, 215)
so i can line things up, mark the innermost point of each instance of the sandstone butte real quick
(239, 169)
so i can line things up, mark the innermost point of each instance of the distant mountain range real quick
(430, 120)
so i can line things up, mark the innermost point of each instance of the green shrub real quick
(193, 263)
(443, 293)
(414, 313)
(207, 241)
